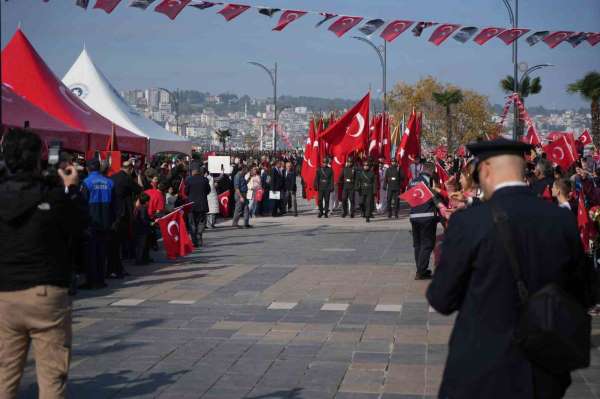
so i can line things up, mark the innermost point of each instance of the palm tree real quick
(446, 99)
(525, 88)
(589, 88)
(222, 135)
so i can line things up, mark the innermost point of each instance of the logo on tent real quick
(80, 90)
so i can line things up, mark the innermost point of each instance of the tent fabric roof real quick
(29, 76)
(91, 85)
(16, 111)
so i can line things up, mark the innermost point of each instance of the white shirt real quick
(514, 183)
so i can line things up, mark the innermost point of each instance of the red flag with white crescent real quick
(386, 141)
(418, 194)
(287, 18)
(374, 136)
(171, 8)
(307, 173)
(441, 172)
(556, 38)
(176, 239)
(231, 11)
(593, 38)
(560, 152)
(532, 137)
(510, 35)
(107, 5)
(343, 24)
(395, 29)
(442, 32)
(585, 138)
(224, 203)
(583, 223)
(487, 34)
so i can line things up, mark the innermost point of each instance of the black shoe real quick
(344, 215)
(389, 216)
(422, 276)
(427, 272)
(248, 226)
(352, 216)
(296, 214)
(326, 216)
(396, 216)
(320, 215)
(368, 220)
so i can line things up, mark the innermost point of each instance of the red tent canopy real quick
(16, 111)
(24, 71)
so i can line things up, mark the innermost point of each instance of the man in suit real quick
(277, 184)
(324, 185)
(347, 181)
(544, 173)
(125, 190)
(289, 179)
(197, 189)
(391, 184)
(474, 277)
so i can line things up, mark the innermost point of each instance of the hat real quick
(487, 149)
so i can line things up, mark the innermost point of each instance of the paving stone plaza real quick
(293, 308)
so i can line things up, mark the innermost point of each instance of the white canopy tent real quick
(90, 84)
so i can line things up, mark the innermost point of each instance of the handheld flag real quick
(418, 194)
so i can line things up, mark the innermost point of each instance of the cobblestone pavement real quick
(293, 308)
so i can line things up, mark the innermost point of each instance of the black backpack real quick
(553, 329)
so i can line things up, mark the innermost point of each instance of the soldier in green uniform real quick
(365, 183)
(391, 184)
(324, 186)
(347, 181)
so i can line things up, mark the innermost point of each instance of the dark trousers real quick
(142, 248)
(324, 202)
(367, 201)
(291, 202)
(348, 195)
(198, 222)
(423, 232)
(115, 245)
(392, 198)
(96, 256)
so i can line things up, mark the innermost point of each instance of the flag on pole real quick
(560, 152)
(585, 138)
(583, 223)
(287, 18)
(176, 239)
(224, 203)
(418, 194)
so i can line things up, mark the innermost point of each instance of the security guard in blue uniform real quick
(475, 278)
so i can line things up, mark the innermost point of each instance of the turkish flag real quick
(395, 29)
(442, 33)
(569, 136)
(583, 223)
(418, 194)
(107, 5)
(532, 137)
(487, 34)
(181, 190)
(224, 199)
(386, 141)
(410, 145)
(441, 152)
(585, 138)
(287, 18)
(112, 144)
(374, 136)
(343, 24)
(306, 164)
(556, 38)
(441, 172)
(593, 38)
(547, 194)
(510, 35)
(560, 152)
(313, 164)
(176, 239)
(230, 11)
(171, 8)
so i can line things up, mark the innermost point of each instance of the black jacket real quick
(324, 179)
(197, 189)
(474, 278)
(37, 223)
(365, 182)
(539, 186)
(347, 178)
(289, 180)
(392, 178)
(125, 189)
(277, 181)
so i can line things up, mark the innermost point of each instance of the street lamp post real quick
(273, 75)
(532, 69)
(514, 20)
(382, 54)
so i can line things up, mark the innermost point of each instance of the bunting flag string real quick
(390, 28)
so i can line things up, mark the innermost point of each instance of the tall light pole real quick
(513, 15)
(532, 69)
(382, 54)
(273, 75)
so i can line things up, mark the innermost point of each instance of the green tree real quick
(222, 136)
(589, 88)
(447, 99)
(526, 88)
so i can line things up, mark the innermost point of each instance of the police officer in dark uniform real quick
(424, 220)
(391, 184)
(475, 278)
(365, 183)
(347, 182)
(324, 186)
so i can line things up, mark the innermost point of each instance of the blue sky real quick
(200, 50)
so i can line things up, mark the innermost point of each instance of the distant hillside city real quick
(198, 115)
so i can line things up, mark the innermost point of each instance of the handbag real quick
(258, 194)
(553, 329)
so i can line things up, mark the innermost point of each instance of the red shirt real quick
(156, 203)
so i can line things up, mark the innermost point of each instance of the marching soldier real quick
(347, 181)
(365, 182)
(391, 184)
(324, 186)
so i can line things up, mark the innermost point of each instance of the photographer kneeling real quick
(37, 217)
